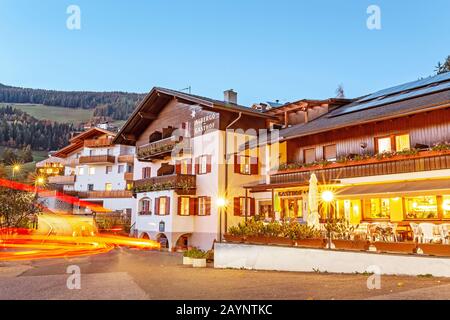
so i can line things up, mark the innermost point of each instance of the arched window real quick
(145, 206)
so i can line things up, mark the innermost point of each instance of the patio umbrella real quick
(313, 203)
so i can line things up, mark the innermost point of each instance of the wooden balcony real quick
(105, 194)
(62, 180)
(98, 143)
(128, 176)
(158, 149)
(183, 184)
(423, 161)
(72, 163)
(126, 158)
(104, 159)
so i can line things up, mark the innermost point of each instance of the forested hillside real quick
(117, 105)
(18, 130)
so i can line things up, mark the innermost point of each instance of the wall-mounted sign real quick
(162, 226)
(206, 122)
(295, 193)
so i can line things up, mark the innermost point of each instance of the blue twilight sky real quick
(265, 50)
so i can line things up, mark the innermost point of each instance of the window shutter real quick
(254, 165)
(252, 207)
(157, 206)
(189, 166)
(237, 166)
(180, 200)
(143, 173)
(167, 205)
(237, 206)
(177, 167)
(197, 165)
(208, 206)
(192, 206)
(208, 163)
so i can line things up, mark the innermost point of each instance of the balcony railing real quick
(72, 162)
(128, 176)
(423, 161)
(105, 194)
(98, 143)
(64, 180)
(158, 149)
(126, 158)
(97, 159)
(182, 183)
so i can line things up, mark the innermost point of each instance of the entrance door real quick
(265, 209)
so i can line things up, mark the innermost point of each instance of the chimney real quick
(230, 96)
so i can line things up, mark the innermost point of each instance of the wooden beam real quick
(129, 136)
(147, 115)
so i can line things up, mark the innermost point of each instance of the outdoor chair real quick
(444, 230)
(428, 232)
(416, 232)
(393, 227)
(362, 231)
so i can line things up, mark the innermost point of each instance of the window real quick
(423, 207)
(120, 168)
(146, 172)
(108, 186)
(91, 171)
(204, 206)
(399, 142)
(384, 145)
(184, 166)
(91, 153)
(246, 165)
(402, 142)
(184, 206)
(144, 206)
(379, 209)
(203, 164)
(129, 186)
(129, 168)
(329, 152)
(162, 206)
(90, 187)
(109, 152)
(81, 171)
(446, 206)
(78, 155)
(309, 155)
(108, 169)
(240, 208)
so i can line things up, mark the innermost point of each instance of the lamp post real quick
(221, 203)
(15, 168)
(327, 197)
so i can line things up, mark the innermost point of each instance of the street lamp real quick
(15, 167)
(221, 203)
(39, 181)
(327, 197)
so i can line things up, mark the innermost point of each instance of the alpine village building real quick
(385, 156)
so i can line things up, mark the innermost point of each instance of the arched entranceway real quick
(145, 236)
(183, 242)
(163, 241)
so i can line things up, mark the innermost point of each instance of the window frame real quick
(392, 137)
(324, 153)
(305, 150)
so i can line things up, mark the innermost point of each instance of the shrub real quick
(195, 253)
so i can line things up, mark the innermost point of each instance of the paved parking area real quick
(134, 274)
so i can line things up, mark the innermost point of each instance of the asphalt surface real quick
(134, 274)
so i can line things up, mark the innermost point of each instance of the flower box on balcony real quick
(396, 247)
(435, 249)
(358, 245)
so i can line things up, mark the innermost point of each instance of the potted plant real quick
(278, 233)
(435, 249)
(236, 233)
(305, 236)
(385, 245)
(342, 233)
(198, 258)
(187, 259)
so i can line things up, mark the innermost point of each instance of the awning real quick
(425, 187)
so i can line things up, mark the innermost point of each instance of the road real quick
(135, 274)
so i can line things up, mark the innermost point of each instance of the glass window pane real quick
(310, 155)
(424, 207)
(329, 152)
(402, 142)
(384, 145)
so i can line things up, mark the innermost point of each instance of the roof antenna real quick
(188, 89)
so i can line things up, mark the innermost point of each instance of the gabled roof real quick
(148, 109)
(394, 104)
(77, 142)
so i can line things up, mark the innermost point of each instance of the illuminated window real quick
(185, 166)
(446, 206)
(204, 204)
(184, 209)
(245, 164)
(91, 171)
(379, 209)
(424, 207)
(402, 142)
(145, 206)
(129, 186)
(162, 205)
(384, 145)
(81, 171)
(108, 186)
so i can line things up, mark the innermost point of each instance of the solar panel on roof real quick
(408, 86)
(392, 99)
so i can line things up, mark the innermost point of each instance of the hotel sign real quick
(296, 193)
(205, 123)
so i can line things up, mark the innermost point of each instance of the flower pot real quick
(310, 243)
(359, 245)
(256, 239)
(435, 249)
(231, 238)
(199, 263)
(396, 247)
(280, 241)
(187, 261)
